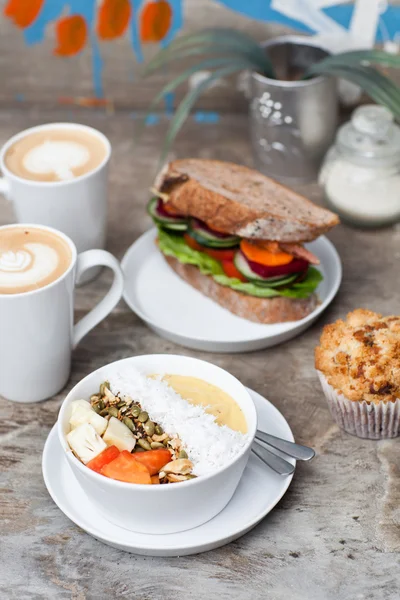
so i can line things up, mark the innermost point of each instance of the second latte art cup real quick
(37, 334)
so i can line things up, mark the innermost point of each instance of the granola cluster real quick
(360, 357)
(148, 434)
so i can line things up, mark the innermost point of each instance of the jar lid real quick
(371, 134)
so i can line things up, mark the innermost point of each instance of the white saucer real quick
(181, 314)
(258, 492)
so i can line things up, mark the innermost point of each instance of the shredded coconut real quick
(209, 446)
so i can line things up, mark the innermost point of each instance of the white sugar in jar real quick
(361, 171)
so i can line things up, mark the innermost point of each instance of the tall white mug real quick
(37, 333)
(77, 207)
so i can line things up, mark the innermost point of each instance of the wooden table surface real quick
(335, 534)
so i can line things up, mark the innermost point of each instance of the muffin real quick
(358, 363)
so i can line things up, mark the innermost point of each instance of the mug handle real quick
(96, 258)
(5, 187)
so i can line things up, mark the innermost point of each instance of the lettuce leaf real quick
(174, 245)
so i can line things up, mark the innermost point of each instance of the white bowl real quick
(161, 508)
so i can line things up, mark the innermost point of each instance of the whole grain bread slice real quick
(258, 310)
(238, 200)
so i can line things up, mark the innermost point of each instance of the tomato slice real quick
(230, 270)
(220, 254)
(192, 243)
(257, 253)
(217, 254)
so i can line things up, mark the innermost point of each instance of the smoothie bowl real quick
(158, 442)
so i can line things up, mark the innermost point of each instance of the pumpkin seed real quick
(144, 444)
(113, 411)
(156, 445)
(136, 410)
(159, 430)
(94, 397)
(138, 449)
(120, 404)
(160, 438)
(104, 412)
(182, 454)
(105, 385)
(149, 428)
(143, 416)
(166, 441)
(100, 404)
(129, 423)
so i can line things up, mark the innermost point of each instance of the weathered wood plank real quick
(334, 535)
(38, 76)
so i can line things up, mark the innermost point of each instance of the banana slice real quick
(82, 412)
(85, 442)
(118, 434)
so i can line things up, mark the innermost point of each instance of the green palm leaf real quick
(213, 41)
(204, 65)
(187, 103)
(357, 57)
(375, 84)
(163, 59)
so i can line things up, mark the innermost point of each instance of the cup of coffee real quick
(56, 175)
(38, 270)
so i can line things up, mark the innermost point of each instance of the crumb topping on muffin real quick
(360, 357)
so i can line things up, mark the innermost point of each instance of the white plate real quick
(181, 314)
(258, 492)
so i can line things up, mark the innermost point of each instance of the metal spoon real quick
(289, 448)
(276, 463)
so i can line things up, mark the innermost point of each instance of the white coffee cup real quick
(77, 207)
(37, 333)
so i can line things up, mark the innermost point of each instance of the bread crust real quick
(240, 201)
(259, 310)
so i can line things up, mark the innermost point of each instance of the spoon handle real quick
(276, 463)
(294, 450)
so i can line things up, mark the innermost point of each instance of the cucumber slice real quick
(242, 265)
(173, 226)
(173, 223)
(206, 238)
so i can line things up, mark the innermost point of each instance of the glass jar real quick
(361, 171)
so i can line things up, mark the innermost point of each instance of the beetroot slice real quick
(163, 213)
(297, 265)
(197, 224)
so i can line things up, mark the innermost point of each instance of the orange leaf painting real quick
(155, 21)
(113, 19)
(23, 12)
(71, 34)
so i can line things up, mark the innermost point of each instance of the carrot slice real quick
(155, 480)
(102, 459)
(154, 460)
(126, 468)
(257, 253)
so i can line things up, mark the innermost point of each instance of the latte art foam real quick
(31, 258)
(58, 158)
(15, 261)
(52, 154)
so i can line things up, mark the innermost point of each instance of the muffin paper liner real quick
(363, 419)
